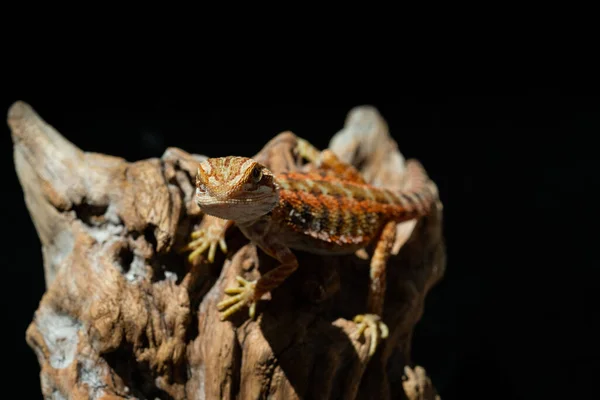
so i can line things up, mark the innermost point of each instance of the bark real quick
(125, 316)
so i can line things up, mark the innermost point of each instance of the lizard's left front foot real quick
(206, 238)
(243, 295)
(306, 150)
(377, 329)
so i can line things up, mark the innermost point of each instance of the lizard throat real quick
(238, 210)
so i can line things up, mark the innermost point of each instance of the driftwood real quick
(126, 316)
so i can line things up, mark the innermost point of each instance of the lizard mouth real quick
(247, 208)
(207, 199)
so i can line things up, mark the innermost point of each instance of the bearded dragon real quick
(329, 210)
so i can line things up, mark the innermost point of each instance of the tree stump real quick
(126, 316)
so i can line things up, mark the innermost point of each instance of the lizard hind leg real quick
(372, 323)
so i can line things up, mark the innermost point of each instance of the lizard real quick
(328, 210)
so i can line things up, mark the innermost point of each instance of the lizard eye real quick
(257, 175)
(201, 188)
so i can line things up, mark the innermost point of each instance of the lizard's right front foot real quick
(204, 238)
(244, 294)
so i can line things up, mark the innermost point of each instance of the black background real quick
(513, 317)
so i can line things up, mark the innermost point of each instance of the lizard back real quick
(345, 215)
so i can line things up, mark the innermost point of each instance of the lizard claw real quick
(243, 295)
(374, 325)
(206, 238)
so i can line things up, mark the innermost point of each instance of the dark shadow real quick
(316, 356)
(91, 214)
(137, 376)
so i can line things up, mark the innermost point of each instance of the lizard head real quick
(235, 188)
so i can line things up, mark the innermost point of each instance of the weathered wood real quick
(124, 315)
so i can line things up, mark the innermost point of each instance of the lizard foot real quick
(206, 238)
(376, 327)
(243, 295)
(306, 150)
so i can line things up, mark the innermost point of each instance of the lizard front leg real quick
(249, 292)
(327, 161)
(209, 235)
(372, 322)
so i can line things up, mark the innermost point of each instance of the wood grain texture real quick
(125, 315)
